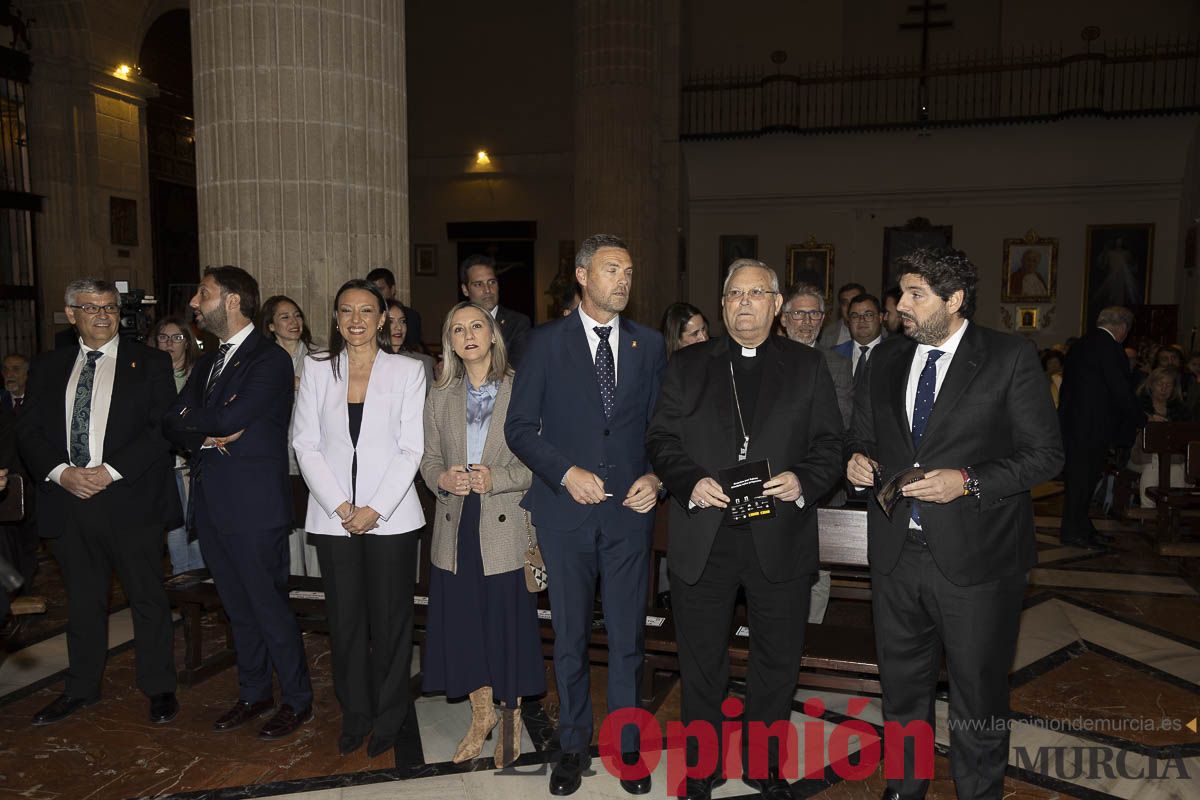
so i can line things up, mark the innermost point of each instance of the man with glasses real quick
(839, 330)
(866, 326)
(766, 404)
(802, 316)
(92, 439)
(477, 279)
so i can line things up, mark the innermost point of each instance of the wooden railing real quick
(1024, 85)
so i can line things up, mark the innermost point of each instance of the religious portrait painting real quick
(1119, 260)
(425, 259)
(732, 247)
(1030, 270)
(811, 262)
(899, 241)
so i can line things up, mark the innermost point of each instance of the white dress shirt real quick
(948, 348)
(235, 342)
(102, 387)
(856, 354)
(594, 341)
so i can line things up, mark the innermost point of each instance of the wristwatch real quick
(970, 482)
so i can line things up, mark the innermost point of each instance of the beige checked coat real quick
(502, 528)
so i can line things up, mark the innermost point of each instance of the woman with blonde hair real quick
(1162, 401)
(482, 637)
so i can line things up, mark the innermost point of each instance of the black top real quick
(747, 372)
(355, 410)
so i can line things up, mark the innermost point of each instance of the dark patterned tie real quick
(216, 371)
(862, 359)
(926, 386)
(81, 412)
(17, 403)
(606, 373)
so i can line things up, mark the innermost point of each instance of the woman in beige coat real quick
(482, 637)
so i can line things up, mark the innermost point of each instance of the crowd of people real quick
(566, 437)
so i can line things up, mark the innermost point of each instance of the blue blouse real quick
(480, 403)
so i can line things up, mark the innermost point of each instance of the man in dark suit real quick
(385, 282)
(1098, 411)
(948, 569)
(866, 331)
(477, 279)
(233, 416)
(91, 436)
(801, 316)
(748, 396)
(839, 330)
(19, 539)
(15, 369)
(580, 405)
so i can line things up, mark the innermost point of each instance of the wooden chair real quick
(1167, 439)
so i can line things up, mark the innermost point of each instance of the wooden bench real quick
(1167, 439)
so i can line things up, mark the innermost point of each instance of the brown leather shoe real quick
(285, 722)
(241, 713)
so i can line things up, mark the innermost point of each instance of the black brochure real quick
(888, 494)
(743, 484)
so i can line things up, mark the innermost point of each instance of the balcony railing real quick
(1026, 85)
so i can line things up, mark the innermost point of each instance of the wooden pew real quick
(1167, 439)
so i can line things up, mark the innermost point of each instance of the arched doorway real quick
(166, 59)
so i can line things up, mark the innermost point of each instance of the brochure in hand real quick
(743, 483)
(888, 494)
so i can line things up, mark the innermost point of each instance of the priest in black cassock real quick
(744, 398)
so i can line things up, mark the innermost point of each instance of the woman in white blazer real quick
(358, 437)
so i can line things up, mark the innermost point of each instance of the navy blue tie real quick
(926, 386)
(218, 367)
(606, 373)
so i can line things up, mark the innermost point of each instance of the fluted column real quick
(301, 143)
(626, 138)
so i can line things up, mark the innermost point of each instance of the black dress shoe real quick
(889, 794)
(701, 788)
(381, 743)
(285, 722)
(241, 713)
(1103, 538)
(62, 707)
(634, 785)
(568, 773)
(163, 708)
(349, 742)
(771, 788)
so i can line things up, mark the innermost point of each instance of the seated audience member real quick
(482, 639)
(479, 284)
(838, 330)
(682, 325)
(801, 316)
(172, 335)
(282, 321)
(1052, 365)
(1170, 356)
(866, 331)
(104, 471)
(15, 370)
(893, 324)
(1161, 401)
(385, 281)
(358, 438)
(397, 334)
(19, 539)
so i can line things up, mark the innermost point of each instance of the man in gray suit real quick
(802, 315)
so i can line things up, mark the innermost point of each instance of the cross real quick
(926, 10)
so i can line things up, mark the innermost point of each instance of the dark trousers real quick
(88, 552)
(919, 614)
(19, 547)
(368, 583)
(574, 560)
(1081, 472)
(777, 613)
(250, 569)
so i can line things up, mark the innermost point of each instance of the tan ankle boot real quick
(508, 743)
(483, 719)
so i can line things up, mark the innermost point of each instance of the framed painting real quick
(811, 262)
(1027, 319)
(1117, 270)
(730, 249)
(1030, 270)
(425, 259)
(901, 240)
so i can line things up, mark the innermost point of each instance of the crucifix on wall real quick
(927, 9)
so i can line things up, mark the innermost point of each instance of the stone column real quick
(301, 143)
(626, 138)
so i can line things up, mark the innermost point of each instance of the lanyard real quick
(741, 422)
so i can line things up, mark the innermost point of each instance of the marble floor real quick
(1107, 672)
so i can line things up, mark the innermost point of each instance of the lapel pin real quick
(633, 344)
(133, 365)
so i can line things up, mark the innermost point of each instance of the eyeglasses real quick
(812, 316)
(171, 337)
(757, 293)
(866, 316)
(92, 308)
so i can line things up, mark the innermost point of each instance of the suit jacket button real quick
(447, 517)
(502, 518)
(606, 431)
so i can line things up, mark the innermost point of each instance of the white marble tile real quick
(33, 663)
(1157, 651)
(1074, 579)
(1044, 629)
(441, 787)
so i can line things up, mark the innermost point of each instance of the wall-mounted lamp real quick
(482, 159)
(123, 71)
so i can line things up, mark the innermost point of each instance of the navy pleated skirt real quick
(482, 630)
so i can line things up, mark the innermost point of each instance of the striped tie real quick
(216, 372)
